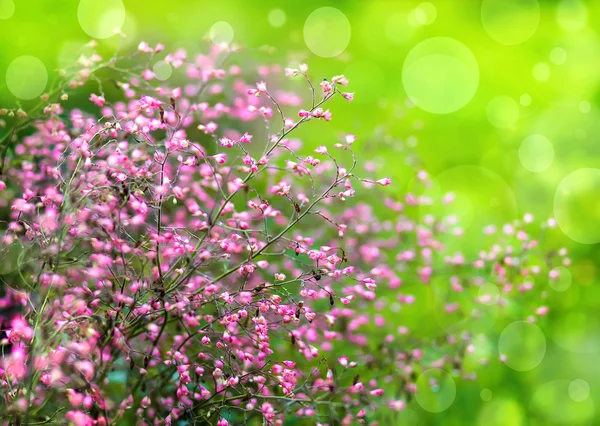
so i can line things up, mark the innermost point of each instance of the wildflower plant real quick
(175, 254)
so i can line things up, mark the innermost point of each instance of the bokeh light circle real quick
(510, 22)
(525, 99)
(277, 18)
(577, 205)
(579, 390)
(563, 282)
(327, 32)
(585, 107)
(541, 72)
(502, 112)
(221, 33)
(101, 19)
(486, 395)
(488, 294)
(536, 153)
(523, 344)
(425, 13)
(440, 75)
(553, 404)
(558, 56)
(436, 390)
(571, 15)
(26, 77)
(162, 70)
(7, 9)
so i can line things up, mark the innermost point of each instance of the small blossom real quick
(98, 100)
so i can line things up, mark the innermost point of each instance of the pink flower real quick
(79, 418)
(348, 96)
(542, 310)
(246, 138)
(209, 128)
(261, 87)
(148, 75)
(340, 79)
(177, 258)
(226, 142)
(145, 403)
(385, 181)
(98, 100)
(19, 330)
(144, 47)
(220, 158)
(149, 103)
(326, 87)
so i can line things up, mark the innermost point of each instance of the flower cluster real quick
(180, 255)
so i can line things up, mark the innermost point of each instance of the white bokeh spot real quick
(162, 70)
(541, 72)
(486, 394)
(221, 33)
(558, 56)
(563, 281)
(585, 107)
(579, 390)
(523, 345)
(277, 18)
(425, 13)
(536, 153)
(26, 77)
(436, 390)
(525, 99)
(510, 22)
(502, 112)
(577, 205)
(7, 9)
(101, 19)
(327, 32)
(440, 75)
(488, 294)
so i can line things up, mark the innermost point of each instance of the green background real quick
(473, 151)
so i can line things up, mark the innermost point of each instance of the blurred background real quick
(499, 98)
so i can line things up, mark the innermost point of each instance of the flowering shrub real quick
(180, 256)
